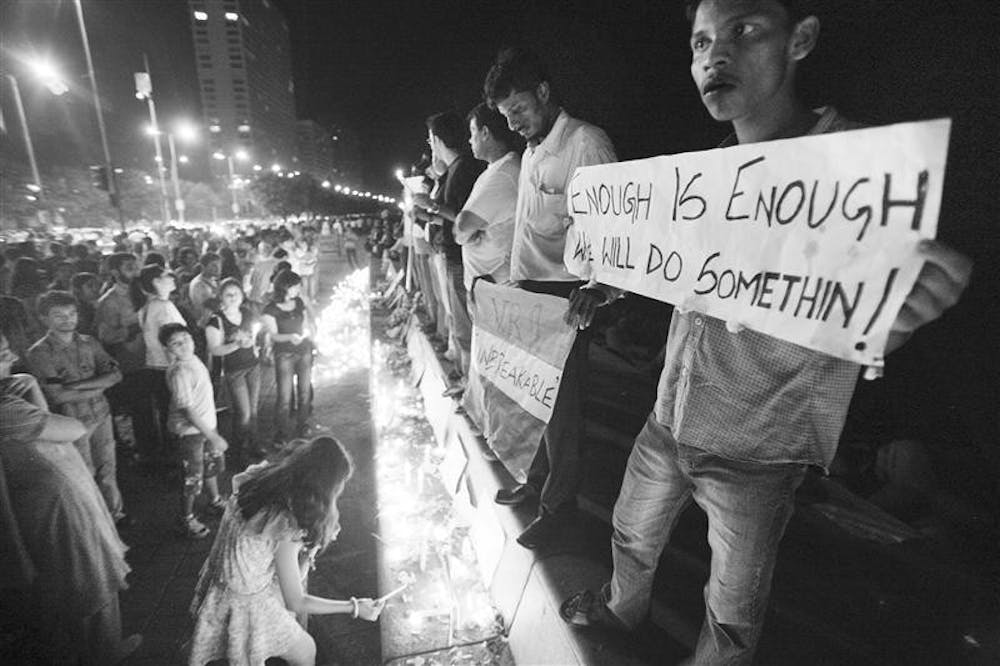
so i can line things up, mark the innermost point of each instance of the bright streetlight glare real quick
(399, 174)
(185, 131)
(218, 155)
(241, 154)
(275, 167)
(152, 131)
(183, 159)
(33, 187)
(337, 188)
(326, 184)
(257, 167)
(49, 75)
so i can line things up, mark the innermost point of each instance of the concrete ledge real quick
(527, 586)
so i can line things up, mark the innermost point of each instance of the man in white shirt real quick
(485, 225)
(518, 86)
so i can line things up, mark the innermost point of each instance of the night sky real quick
(379, 68)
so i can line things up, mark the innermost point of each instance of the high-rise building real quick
(315, 149)
(243, 57)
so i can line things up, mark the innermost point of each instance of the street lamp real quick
(144, 91)
(113, 192)
(186, 132)
(28, 146)
(241, 155)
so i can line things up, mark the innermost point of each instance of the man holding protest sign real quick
(519, 87)
(741, 415)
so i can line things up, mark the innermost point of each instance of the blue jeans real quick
(244, 391)
(748, 506)
(290, 368)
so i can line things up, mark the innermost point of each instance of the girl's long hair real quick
(302, 485)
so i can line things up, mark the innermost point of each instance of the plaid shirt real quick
(751, 397)
(54, 363)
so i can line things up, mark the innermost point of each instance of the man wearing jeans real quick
(740, 415)
(519, 87)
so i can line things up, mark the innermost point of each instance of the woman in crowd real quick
(158, 283)
(63, 563)
(307, 255)
(231, 335)
(289, 324)
(251, 586)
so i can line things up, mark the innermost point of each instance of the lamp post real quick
(113, 192)
(144, 90)
(241, 155)
(28, 146)
(186, 132)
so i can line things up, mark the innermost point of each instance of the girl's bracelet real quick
(357, 609)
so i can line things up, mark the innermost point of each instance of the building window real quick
(232, 17)
(200, 16)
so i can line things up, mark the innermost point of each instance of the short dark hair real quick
(81, 279)
(231, 282)
(80, 250)
(167, 331)
(55, 298)
(116, 260)
(449, 127)
(493, 120)
(515, 70)
(797, 9)
(208, 258)
(148, 274)
(282, 282)
(155, 259)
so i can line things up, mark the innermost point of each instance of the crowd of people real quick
(492, 208)
(132, 354)
(487, 203)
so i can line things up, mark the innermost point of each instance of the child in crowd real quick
(250, 587)
(192, 419)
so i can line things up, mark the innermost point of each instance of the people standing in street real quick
(64, 562)
(290, 327)
(231, 333)
(74, 372)
(194, 423)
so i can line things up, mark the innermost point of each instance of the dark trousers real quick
(555, 470)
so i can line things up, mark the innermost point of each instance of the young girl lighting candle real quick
(250, 586)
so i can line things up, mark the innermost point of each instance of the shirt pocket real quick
(551, 220)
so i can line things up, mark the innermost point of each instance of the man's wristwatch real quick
(434, 209)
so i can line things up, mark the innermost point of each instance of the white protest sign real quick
(811, 240)
(519, 347)
(527, 380)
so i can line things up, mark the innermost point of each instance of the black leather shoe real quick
(541, 530)
(516, 496)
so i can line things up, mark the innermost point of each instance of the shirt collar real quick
(826, 116)
(553, 140)
(54, 339)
